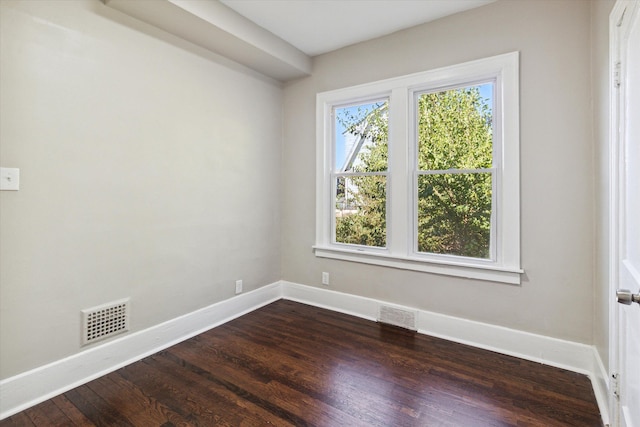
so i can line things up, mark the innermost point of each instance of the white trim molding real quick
(30, 388)
(469, 271)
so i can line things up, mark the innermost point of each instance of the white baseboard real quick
(30, 388)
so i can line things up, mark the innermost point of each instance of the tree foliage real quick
(454, 198)
(454, 209)
(365, 196)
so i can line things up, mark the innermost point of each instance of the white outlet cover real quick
(325, 278)
(10, 179)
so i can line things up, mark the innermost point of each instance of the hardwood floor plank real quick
(290, 364)
(328, 382)
(273, 396)
(178, 392)
(19, 419)
(48, 412)
(95, 409)
(76, 417)
(133, 403)
(232, 403)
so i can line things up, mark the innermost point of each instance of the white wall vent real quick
(105, 321)
(398, 317)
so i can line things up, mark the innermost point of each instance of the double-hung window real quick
(421, 172)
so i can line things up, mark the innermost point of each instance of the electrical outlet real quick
(9, 179)
(238, 286)
(325, 278)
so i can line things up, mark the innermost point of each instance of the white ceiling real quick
(320, 26)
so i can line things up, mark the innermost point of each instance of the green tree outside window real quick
(454, 178)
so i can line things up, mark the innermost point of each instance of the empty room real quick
(319, 212)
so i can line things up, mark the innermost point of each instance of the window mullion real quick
(454, 171)
(398, 220)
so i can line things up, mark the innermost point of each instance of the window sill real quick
(471, 271)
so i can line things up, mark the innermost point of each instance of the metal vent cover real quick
(105, 321)
(398, 317)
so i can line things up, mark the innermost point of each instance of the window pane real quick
(361, 138)
(361, 210)
(454, 128)
(454, 214)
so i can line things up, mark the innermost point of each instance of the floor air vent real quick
(105, 321)
(398, 317)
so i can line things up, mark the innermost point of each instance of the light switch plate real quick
(9, 179)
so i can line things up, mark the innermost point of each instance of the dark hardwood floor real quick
(289, 364)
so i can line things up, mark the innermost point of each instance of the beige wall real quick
(557, 184)
(148, 170)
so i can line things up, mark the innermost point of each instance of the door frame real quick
(616, 125)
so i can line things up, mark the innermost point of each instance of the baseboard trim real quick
(32, 387)
(563, 354)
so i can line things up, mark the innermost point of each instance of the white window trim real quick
(400, 251)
